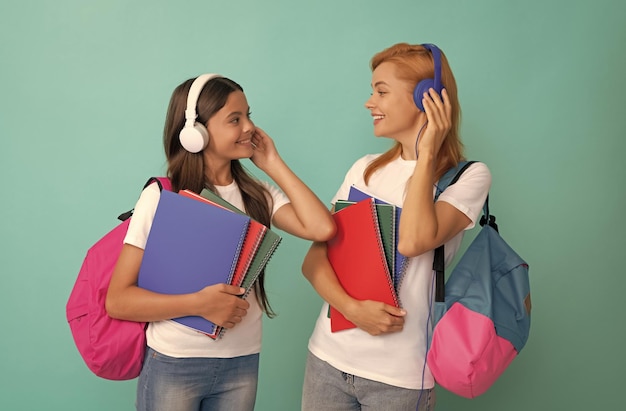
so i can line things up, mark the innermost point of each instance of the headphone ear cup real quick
(194, 139)
(419, 90)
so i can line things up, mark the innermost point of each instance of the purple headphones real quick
(423, 86)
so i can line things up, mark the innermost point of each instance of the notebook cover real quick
(191, 245)
(387, 225)
(357, 256)
(254, 236)
(401, 261)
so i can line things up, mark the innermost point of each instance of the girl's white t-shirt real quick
(398, 359)
(175, 340)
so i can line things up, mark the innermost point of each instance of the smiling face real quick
(230, 130)
(391, 105)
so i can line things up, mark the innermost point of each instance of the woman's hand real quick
(439, 113)
(375, 318)
(265, 153)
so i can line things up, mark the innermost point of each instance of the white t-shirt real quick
(176, 340)
(398, 359)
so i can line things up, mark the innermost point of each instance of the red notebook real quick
(357, 256)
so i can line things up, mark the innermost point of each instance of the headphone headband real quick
(194, 136)
(436, 53)
(194, 93)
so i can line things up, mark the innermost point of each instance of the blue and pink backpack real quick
(482, 312)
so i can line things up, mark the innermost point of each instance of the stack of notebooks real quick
(364, 253)
(201, 240)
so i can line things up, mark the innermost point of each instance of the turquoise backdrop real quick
(83, 90)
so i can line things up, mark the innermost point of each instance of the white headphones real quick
(194, 136)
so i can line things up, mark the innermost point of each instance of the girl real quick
(184, 369)
(381, 363)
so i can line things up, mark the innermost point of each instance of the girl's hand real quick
(222, 305)
(439, 113)
(265, 152)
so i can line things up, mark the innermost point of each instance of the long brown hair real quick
(415, 63)
(186, 170)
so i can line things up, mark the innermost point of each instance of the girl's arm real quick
(305, 216)
(424, 224)
(372, 317)
(219, 303)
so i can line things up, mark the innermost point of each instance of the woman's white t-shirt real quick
(175, 340)
(398, 359)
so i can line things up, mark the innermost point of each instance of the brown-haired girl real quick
(208, 129)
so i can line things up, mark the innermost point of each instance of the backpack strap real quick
(450, 177)
(162, 182)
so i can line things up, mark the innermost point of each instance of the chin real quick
(380, 135)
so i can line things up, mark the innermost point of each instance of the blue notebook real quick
(400, 261)
(191, 245)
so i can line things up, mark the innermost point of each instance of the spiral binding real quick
(250, 278)
(381, 254)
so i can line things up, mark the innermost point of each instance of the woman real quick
(381, 363)
(207, 131)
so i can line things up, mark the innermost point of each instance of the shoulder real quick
(477, 170)
(150, 194)
(365, 160)
(478, 173)
(359, 166)
(148, 201)
(143, 214)
(277, 197)
(477, 177)
(469, 193)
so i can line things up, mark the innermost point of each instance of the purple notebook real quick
(191, 245)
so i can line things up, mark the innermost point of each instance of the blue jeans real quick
(329, 389)
(194, 384)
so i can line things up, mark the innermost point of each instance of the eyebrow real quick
(378, 83)
(237, 113)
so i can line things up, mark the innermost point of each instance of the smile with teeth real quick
(378, 117)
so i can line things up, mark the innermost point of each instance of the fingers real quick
(395, 311)
(439, 113)
(260, 132)
(377, 318)
(259, 138)
(438, 108)
(234, 318)
(222, 304)
(232, 289)
(229, 316)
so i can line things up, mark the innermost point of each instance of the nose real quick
(248, 126)
(368, 103)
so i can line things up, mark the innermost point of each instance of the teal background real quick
(83, 90)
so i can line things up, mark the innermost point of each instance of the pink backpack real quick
(112, 349)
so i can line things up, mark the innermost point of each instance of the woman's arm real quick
(305, 216)
(425, 225)
(372, 317)
(219, 303)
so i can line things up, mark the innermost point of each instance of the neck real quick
(219, 176)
